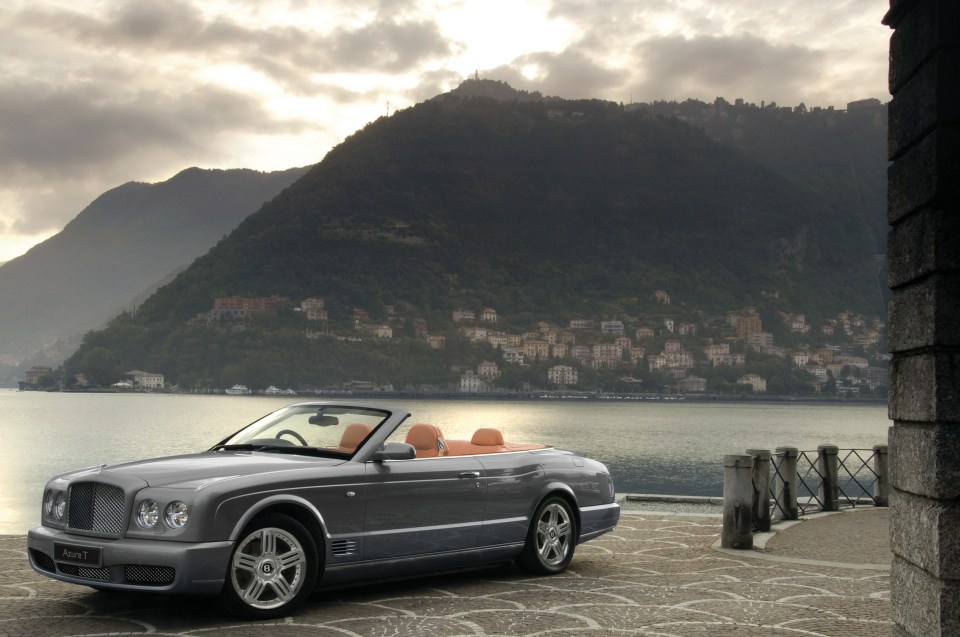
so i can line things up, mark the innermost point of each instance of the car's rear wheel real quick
(551, 538)
(272, 570)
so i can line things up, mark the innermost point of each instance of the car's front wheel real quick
(551, 538)
(272, 570)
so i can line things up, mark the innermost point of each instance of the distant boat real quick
(238, 390)
(273, 390)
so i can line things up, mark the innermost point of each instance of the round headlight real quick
(176, 515)
(148, 514)
(59, 505)
(48, 502)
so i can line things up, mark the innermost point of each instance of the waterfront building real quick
(758, 383)
(145, 380)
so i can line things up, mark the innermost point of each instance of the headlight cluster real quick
(175, 514)
(55, 504)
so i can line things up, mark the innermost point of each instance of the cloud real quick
(677, 68)
(53, 132)
(570, 74)
(62, 147)
(386, 45)
(91, 99)
(286, 53)
(827, 52)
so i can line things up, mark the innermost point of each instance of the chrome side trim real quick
(599, 507)
(444, 527)
(423, 529)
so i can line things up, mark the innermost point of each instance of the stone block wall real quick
(924, 278)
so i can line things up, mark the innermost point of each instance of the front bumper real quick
(154, 566)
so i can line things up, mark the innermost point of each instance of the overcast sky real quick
(96, 93)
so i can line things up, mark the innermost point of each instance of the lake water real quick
(672, 447)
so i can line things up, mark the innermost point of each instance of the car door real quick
(514, 481)
(423, 506)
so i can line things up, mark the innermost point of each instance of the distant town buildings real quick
(562, 375)
(653, 352)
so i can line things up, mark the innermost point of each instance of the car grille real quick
(94, 506)
(42, 560)
(140, 574)
(148, 575)
(86, 572)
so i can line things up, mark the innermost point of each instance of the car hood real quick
(197, 470)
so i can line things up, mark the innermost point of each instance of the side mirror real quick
(395, 451)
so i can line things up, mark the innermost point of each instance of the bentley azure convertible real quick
(319, 495)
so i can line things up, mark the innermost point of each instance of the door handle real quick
(470, 475)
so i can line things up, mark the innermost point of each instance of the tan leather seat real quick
(427, 440)
(353, 435)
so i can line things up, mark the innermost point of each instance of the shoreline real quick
(505, 396)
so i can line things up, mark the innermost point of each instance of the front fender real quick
(234, 514)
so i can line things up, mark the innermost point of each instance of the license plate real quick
(81, 555)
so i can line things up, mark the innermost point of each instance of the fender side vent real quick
(344, 548)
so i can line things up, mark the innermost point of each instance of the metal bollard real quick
(827, 463)
(761, 488)
(881, 488)
(737, 503)
(785, 490)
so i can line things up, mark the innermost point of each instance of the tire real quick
(551, 539)
(272, 570)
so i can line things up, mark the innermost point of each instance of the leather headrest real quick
(487, 438)
(354, 434)
(423, 437)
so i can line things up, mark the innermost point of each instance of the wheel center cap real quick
(553, 534)
(267, 568)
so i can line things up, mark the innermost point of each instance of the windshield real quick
(310, 429)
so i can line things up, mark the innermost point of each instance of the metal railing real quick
(790, 483)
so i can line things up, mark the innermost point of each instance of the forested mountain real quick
(124, 244)
(545, 209)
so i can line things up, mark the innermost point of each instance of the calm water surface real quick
(674, 447)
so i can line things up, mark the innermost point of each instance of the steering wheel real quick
(293, 433)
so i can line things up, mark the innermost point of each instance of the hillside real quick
(127, 241)
(547, 210)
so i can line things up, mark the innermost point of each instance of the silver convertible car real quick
(319, 495)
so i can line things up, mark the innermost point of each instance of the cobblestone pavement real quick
(656, 575)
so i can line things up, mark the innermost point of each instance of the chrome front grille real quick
(97, 507)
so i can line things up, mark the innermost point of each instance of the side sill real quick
(417, 566)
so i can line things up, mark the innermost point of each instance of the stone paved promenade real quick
(657, 574)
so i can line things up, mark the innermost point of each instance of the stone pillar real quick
(761, 488)
(737, 503)
(828, 466)
(881, 487)
(785, 484)
(924, 277)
